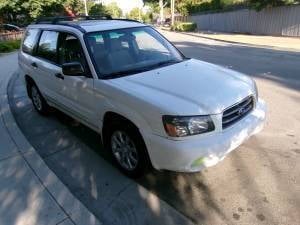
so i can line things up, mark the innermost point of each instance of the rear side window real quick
(30, 39)
(47, 47)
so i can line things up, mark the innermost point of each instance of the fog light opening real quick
(198, 162)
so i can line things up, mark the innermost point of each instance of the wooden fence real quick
(11, 36)
(181, 18)
(279, 21)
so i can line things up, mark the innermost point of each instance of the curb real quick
(70, 205)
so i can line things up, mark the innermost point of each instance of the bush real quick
(8, 46)
(185, 27)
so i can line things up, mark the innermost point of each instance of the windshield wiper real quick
(140, 70)
(123, 73)
(160, 64)
(165, 63)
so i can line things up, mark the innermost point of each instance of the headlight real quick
(180, 126)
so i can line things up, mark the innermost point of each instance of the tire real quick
(132, 148)
(38, 100)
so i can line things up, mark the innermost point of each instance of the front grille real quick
(237, 112)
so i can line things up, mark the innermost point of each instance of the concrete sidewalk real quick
(281, 43)
(30, 193)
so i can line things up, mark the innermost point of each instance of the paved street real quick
(256, 184)
(275, 42)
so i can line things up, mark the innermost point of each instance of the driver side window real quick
(70, 50)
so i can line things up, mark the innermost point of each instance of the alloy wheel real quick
(124, 150)
(36, 98)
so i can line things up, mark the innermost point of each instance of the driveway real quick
(256, 184)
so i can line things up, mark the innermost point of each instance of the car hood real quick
(191, 87)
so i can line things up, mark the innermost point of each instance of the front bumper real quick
(201, 151)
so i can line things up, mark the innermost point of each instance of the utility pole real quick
(85, 8)
(161, 10)
(172, 12)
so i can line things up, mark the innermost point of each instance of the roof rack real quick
(62, 20)
(58, 19)
(129, 20)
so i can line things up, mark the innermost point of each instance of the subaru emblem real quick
(241, 111)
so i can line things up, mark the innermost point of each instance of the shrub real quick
(4, 47)
(185, 27)
(8, 46)
(217, 5)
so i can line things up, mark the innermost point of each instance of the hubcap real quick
(124, 150)
(36, 98)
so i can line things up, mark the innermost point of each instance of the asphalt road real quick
(256, 184)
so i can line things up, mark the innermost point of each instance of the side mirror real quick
(72, 69)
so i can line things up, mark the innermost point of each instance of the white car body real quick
(192, 87)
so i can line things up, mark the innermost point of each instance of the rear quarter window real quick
(47, 47)
(30, 40)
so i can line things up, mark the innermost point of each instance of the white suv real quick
(151, 105)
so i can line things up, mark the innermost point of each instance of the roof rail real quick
(129, 20)
(58, 19)
(62, 20)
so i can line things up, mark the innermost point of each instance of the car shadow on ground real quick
(75, 154)
(173, 187)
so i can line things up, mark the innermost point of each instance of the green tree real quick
(74, 5)
(114, 10)
(153, 5)
(135, 14)
(147, 17)
(43, 8)
(261, 4)
(31, 9)
(182, 7)
(97, 9)
(10, 9)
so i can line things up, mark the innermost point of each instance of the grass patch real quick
(184, 27)
(9, 46)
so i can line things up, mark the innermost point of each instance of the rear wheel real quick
(38, 100)
(128, 150)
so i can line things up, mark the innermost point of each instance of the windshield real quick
(132, 50)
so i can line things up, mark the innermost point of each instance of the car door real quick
(79, 90)
(45, 65)
(26, 57)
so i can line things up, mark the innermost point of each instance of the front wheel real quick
(128, 150)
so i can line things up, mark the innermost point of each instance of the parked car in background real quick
(9, 28)
(167, 22)
(152, 105)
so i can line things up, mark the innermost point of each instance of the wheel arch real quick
(29, 81)
(114, 117)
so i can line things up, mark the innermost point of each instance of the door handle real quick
(34, 65)
(60, 76)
